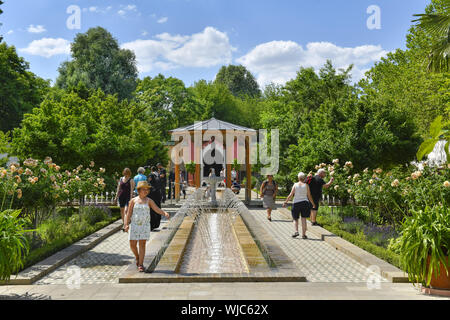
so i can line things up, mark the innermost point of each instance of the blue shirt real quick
(140, 177)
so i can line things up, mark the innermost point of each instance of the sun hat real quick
(143, 184)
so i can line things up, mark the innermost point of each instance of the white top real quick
(301, 192)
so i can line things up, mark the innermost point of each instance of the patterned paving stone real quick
(316, 259)
(102, 264)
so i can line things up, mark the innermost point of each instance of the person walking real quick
(163, 177)
(138, 222)
(316, 184)
(139, 177)
(155, 194)
(124, 192)
(303, 202)
(268, 192)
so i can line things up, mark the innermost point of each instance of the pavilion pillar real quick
(248, 168)
(177, 182)
(198, 169)
(228, 175)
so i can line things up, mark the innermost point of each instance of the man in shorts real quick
(315, 185)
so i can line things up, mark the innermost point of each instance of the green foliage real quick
(424, 243)
(62, 231)
(165, 103)
(437, 132)
(13, 244)
(437, 25)
(21, 90)
(100, 63)
(4, 143)
(360, 241)
(239, 80)
(190, 167)
(81, 125)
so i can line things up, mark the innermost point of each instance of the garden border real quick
(387, 270)
(41, 269)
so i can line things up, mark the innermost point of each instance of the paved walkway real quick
(331, 275)
(316, 259)
(102, 264)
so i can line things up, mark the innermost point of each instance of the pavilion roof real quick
(212, 124)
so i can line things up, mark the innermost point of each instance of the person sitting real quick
(235, 187)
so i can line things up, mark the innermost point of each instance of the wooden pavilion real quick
(218, 140)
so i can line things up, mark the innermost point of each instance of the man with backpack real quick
(155, 194)
(316, 184)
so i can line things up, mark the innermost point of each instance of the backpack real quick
(309, 179)
(155, 182)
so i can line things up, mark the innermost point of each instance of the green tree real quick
(100, 63)
(166, 103)
(84, 125)
(216, 100)
(239, 80)
(436, 23)
(20, 90)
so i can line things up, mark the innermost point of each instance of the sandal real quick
(141, 268)
(295, 235)
(304, 237)
(269, 218)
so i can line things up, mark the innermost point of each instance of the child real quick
(138, 222)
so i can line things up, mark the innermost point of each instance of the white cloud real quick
(144, 33)
(163, 20)
(94, 9)
(10, 32)
(205, 49)
(128, 8)
(48, 47)
(36, 29)
(278, 61)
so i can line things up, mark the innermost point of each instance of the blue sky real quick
(192, 39)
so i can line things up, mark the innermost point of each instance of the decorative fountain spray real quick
(213, 180)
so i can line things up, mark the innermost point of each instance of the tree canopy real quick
(83, 125)
(239, 80)
(21, 90)
(99, 63)
(1, 11)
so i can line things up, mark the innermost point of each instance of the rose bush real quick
(37, 187)
(392, 194)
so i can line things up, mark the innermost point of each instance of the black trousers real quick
(155, 218)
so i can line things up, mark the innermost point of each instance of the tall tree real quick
(100, 63)
(436, 23)
(239, 80)
(166, 103)
(83, 125)
(20, 90)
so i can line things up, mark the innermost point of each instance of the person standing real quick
(139, 177)
(163, 178)
(124, 192)
(316, 184)
(268, 192)
(138, 222)
(171, 185)
(155, 194)
(303, 201)
(233, 174)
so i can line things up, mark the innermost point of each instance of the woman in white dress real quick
(138, 222)
(301, 193)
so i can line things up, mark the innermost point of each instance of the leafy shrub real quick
(94, 214)
(13, 243)
(425, 235)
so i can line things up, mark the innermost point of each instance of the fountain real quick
(213, 240)
(213, 180)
